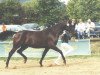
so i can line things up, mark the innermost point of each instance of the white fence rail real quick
(81, 47)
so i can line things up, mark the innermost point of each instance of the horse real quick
(46, 38)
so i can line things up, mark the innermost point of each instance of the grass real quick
(69, 57)
(95, 47)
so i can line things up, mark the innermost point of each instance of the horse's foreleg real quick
(43, 55)
(20, 52)
(9, 56)
(56, 49)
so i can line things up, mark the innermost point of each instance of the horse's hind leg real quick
(10, 54)
(43, 55)
(20, 52)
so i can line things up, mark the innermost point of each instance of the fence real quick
(81, 47)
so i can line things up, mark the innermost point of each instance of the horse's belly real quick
(38, 44)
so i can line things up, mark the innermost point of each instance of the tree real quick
(9, 10)
(84, 9)
(50, 11)
(29, 8)
(44, 11)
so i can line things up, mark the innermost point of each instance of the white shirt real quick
(90, 26)
(81, 27)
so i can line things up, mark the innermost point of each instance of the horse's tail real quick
(6, 34)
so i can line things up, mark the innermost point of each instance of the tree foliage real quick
(44, 11)
(50, 11)
(9, 9)
(84, 9)
(29, 8)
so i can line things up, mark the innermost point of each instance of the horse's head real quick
(68, 26)
(63, 25)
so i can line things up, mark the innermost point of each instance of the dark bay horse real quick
(46, 38)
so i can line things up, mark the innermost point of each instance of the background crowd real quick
(83, 29)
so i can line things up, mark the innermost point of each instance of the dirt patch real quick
(75, 66)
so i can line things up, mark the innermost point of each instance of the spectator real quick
(90, 27)
(4, 27)
(80, 29)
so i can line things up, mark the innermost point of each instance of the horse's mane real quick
(54, 26)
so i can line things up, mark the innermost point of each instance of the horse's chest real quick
(52, 37)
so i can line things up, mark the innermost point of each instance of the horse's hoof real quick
(25, 61)
(41, 65)
(6, 67)
(65, 62)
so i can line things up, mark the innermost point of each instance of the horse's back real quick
(30, 38)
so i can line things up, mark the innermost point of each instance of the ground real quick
(75, 66)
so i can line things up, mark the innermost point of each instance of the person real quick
(80, 29)
(4, 27)
(65, 47)
(90, 27)
(74, 23)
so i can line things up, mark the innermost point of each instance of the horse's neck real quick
(57, 30)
